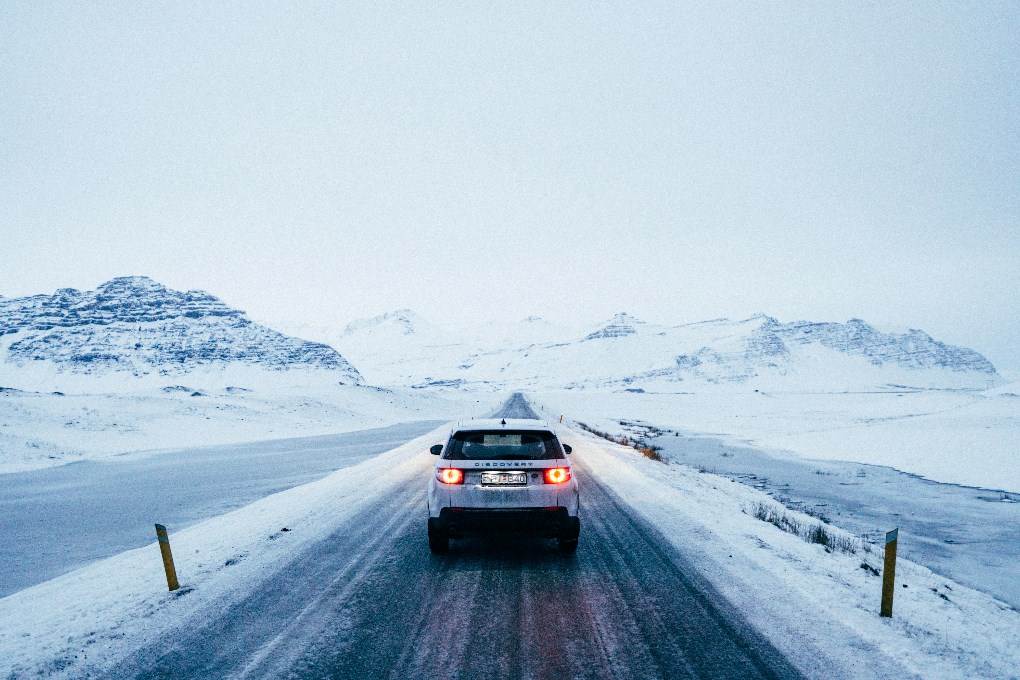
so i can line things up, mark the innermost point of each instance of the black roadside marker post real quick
(889, 572)
(168, 558)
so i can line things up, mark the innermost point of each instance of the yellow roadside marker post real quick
(168, 558)
(889, 572)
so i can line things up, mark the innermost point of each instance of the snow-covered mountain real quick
(627, 353)
(620, 326)
(133, 330)
(405, 321)
(402, 348)
(854, 353)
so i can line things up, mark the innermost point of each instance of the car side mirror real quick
(568, 448)
(436, 449)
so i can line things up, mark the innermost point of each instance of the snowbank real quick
(819, 607)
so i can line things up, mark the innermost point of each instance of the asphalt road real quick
(57, 519)
(516, 407)
(372, 602)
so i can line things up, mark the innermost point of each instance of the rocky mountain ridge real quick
(405, 319)
(764, 346)
(913, 349)
(136, 327)
(129, 299)
(620, 326)
(627, 353)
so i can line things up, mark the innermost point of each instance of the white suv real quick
(502, 475)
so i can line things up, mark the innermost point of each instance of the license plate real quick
(504, 478)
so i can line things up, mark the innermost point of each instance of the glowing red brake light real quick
(557, 475)
(451, 476)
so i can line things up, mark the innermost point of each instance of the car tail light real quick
(450, 476)
(557, 475)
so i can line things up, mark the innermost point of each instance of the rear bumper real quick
(551, 522)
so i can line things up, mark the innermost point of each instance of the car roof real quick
(501, 424)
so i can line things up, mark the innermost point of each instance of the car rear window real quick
(503, 445)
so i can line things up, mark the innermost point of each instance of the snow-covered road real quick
(56, 519)
(371, 602)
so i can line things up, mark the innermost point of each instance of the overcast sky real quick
(317, 163)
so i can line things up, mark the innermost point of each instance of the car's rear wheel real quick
(439, 540)
(568, 538)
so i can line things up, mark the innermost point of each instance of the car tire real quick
(439, 540)
(568, 538)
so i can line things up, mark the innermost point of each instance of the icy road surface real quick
(370, 601)
(56, 519)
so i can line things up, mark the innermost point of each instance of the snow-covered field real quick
(792, 445)
(952, 436)
(958, 437)
(43, 429)
(816, 606)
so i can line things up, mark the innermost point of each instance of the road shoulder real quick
(819, 608)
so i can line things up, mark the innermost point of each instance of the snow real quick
(43, 429)
(818, 607)
(952, 436)
(134, 331)
(822, 392)
(401, 348)
(94, 616)
(806, 449)
(106, 507)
